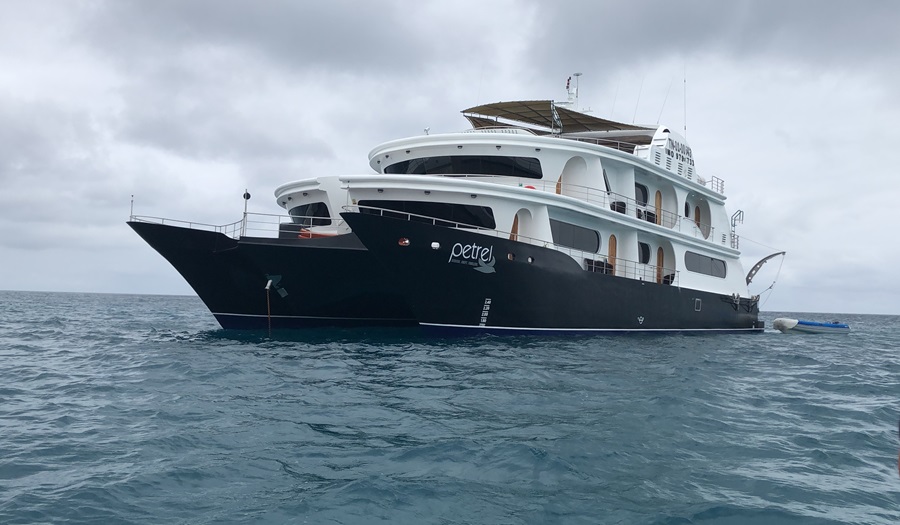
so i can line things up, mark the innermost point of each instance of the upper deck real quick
(658, 145)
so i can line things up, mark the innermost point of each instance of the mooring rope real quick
(772, 286)
(269, 307)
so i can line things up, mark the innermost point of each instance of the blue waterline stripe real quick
(311, 317)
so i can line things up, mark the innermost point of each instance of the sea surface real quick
(140, 409)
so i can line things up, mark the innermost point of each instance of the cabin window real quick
(643, 253)
(448, 214)
(572, 236)
(697, 263)
(687, 209)
(606, 181)
(641, 194)
(312, 214)
(527, 167)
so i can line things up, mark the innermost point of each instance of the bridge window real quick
(527, 167)
(312, 214)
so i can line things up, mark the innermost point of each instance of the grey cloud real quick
(184, 104)
(37, 138)
(820, 33)
(338, 35)
(203, 123)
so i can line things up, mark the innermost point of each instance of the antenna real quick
(664, 102)
(577, 76)
(616, 96)
(638, 100)
(685, 99)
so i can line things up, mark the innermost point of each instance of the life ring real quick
(530, 187)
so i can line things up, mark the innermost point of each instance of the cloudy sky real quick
(183, 104)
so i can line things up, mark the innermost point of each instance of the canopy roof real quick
(540, 113)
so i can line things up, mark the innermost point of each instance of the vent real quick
(658, 158)
(681, 168)
(668, 163)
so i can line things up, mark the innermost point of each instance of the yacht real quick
(540, 218)
(546, 219)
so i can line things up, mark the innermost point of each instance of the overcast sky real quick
(185, 103)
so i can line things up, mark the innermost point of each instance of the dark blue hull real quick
(330, 281)
(531, 289)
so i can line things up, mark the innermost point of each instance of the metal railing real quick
(264, 225)
(415, 217)
(606, 199)
(633, 270)
(623, 146)
(593, 195)
(589, 261)
(515, 130)
(231, 229)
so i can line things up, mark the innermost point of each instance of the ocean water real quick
(139, 409)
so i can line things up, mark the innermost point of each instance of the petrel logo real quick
(480, 257)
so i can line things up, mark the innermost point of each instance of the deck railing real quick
(598, 196)
(621, 204)
(639, 150)
(265, 225)
(623, 146)
(589, 261)
(272, 225)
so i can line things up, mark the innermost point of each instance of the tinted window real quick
(577, 237)
(527, 167)
(312, 214)
(640, 194)
(643, 253)
(451, 214)
(695, 262)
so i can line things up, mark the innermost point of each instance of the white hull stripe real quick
(536, 329)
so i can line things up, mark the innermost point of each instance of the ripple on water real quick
(138, 409)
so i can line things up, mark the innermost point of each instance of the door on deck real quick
(658, 207)
(659, 265)
(611, 258)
